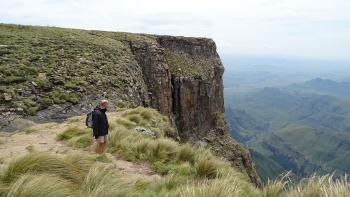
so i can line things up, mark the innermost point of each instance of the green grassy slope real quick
(62, 65)
(267, 168)
(318, 146)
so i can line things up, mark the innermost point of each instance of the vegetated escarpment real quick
(54, 73)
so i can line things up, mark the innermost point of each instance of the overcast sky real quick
(286, 28)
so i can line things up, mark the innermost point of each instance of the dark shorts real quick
(101, 139)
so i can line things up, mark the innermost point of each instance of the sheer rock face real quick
(184, 81)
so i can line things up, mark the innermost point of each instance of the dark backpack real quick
(89, 122)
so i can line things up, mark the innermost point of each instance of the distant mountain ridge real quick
(324, 86)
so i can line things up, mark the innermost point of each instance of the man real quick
(100, 126)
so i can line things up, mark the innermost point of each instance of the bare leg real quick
(104, 144)
(100, 148)
(97, 147)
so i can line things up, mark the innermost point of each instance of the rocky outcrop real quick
(181, 77)
(184, 80)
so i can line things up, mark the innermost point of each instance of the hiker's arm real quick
(96, 124)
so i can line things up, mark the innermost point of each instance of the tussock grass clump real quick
(167, 186)
(71, 132)
(320, 186)
(207, 165)
(126, 123)
(148, 118)
(70, 167)
(216, 187)
(207, 168)
(46, 185)
(104, 181)
(103, 158)
(81, 141)
(77, 137)
(136, 118)
(116, 137)
(186, 153)
(276, 187)
(314, 186)
(43, 174)
(162, 149)
(182, 169)
(146, 114)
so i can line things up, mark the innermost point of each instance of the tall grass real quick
(45, 185)
(76, 137)
(104, 181)
(50, 175)
(70, 167)
(314, 186)
(275, 188)
(320, 186)
(71, 132)
(216, 187)
(164, 155)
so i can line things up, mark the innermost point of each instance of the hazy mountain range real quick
(303, 127)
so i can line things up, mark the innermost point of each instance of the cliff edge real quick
(54, 73)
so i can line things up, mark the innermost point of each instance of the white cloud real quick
(298, 28)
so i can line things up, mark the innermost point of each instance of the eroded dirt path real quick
(42, 137)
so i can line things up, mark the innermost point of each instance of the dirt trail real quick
(42, 137)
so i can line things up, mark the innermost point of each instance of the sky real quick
(317, 29)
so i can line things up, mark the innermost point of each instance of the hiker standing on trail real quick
(100, 126)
